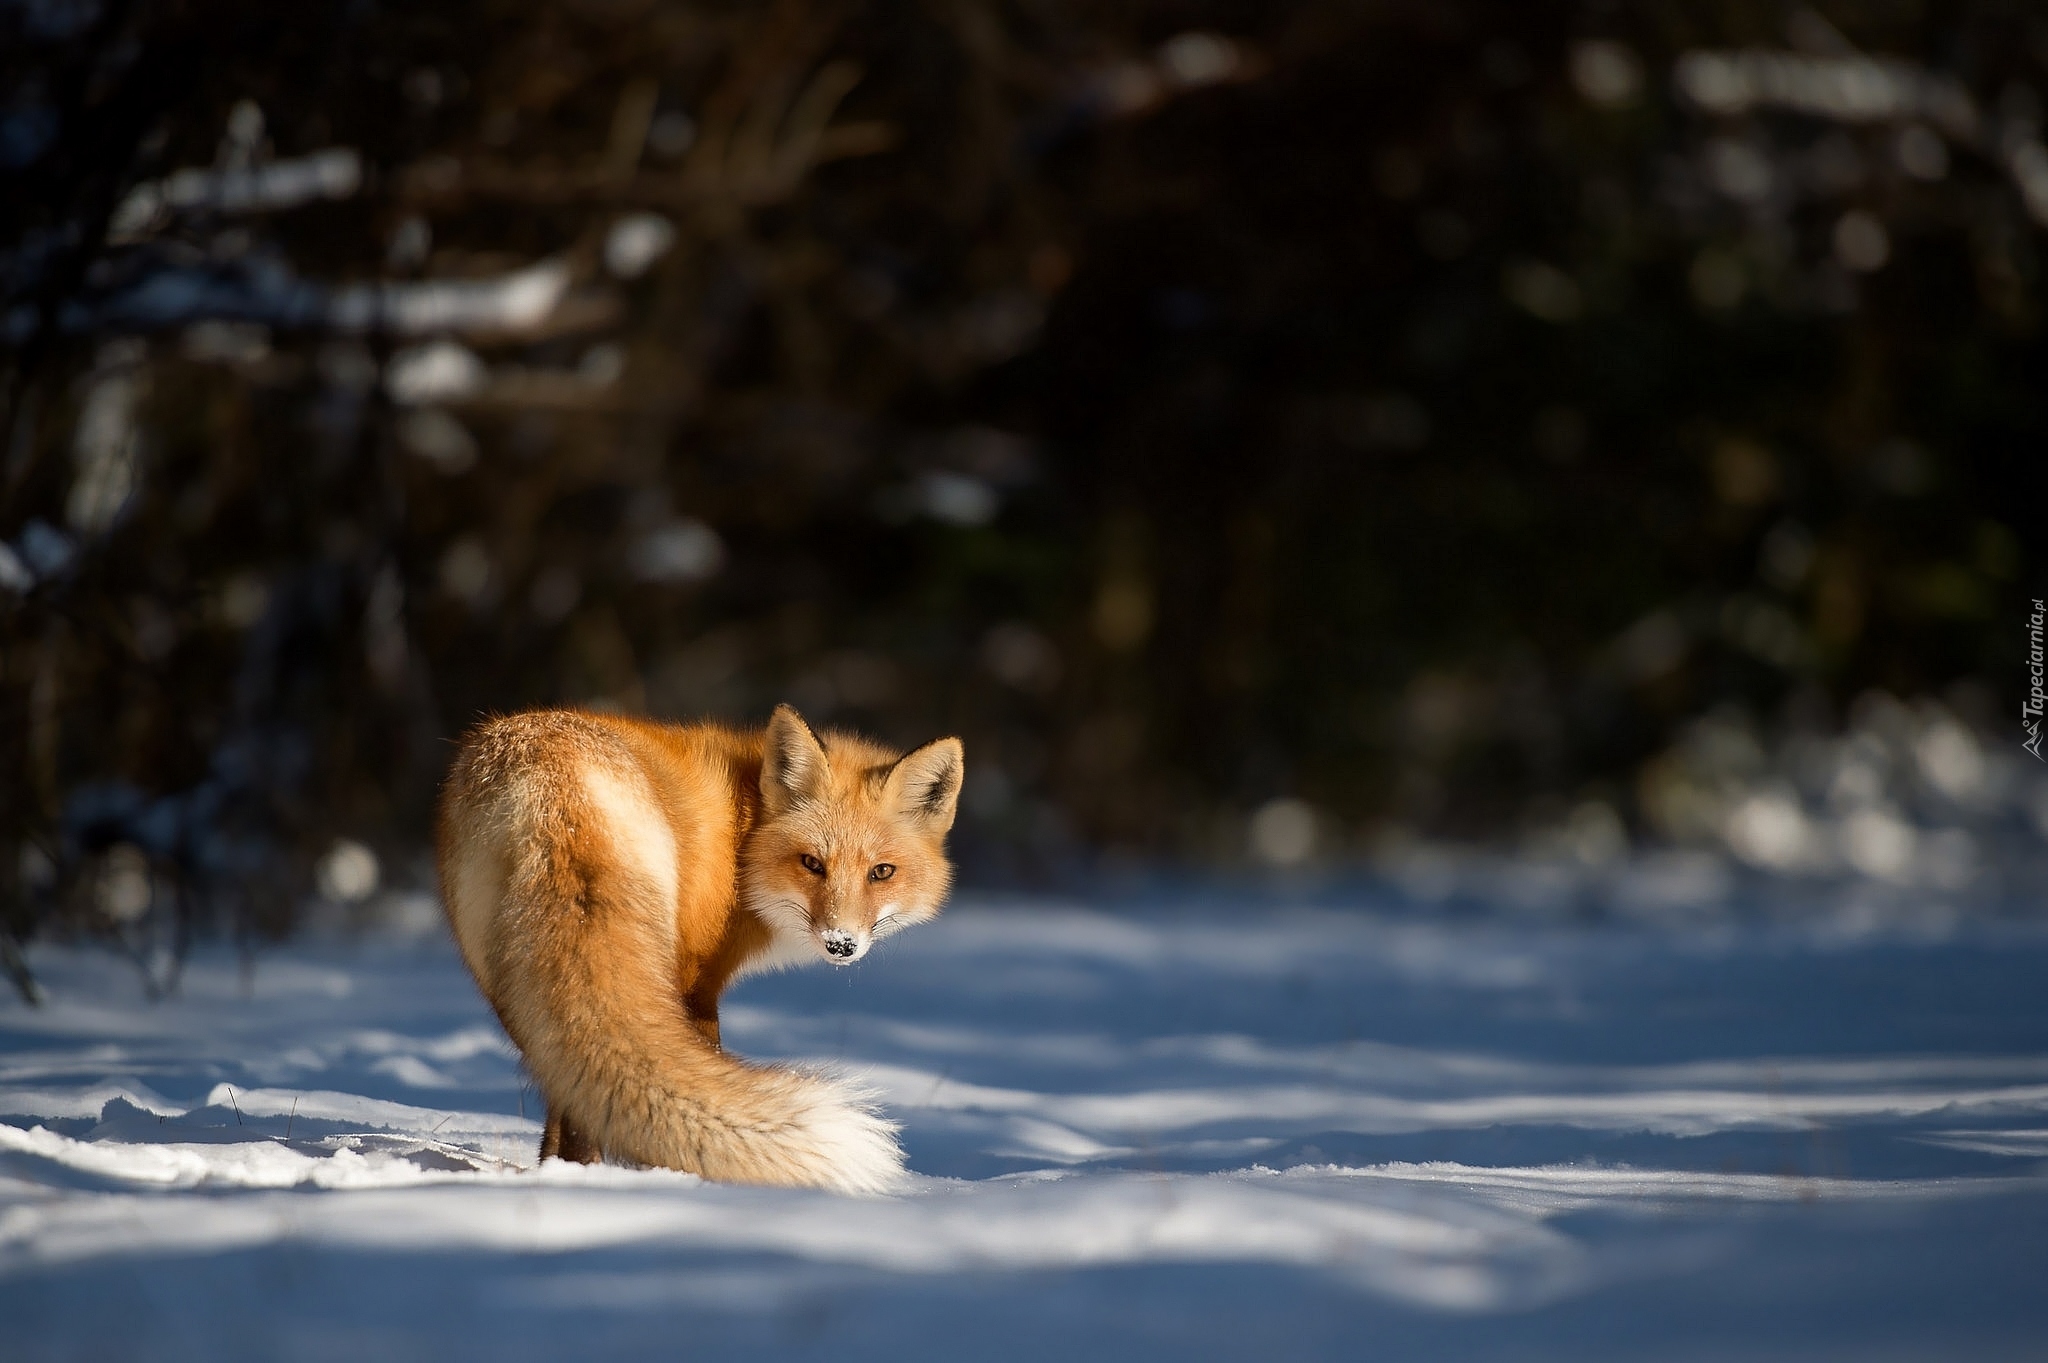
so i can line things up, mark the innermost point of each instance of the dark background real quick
(1400, 419)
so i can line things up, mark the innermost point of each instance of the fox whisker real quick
(783, 913)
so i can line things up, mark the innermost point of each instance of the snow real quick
(1172, 1133)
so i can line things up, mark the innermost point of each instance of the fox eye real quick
(882, 871)
(812, 864)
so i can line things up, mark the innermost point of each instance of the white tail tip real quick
(849, 1147)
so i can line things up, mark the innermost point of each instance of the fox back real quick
(607, 877)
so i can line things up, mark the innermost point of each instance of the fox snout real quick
(841, 946)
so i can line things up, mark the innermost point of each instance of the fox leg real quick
(703, 1015)
(563, 1139)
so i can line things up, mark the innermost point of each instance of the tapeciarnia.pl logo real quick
(2030, 709)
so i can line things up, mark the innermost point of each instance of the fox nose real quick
(838, 944)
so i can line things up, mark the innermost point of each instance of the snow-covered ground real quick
(1163, 1134)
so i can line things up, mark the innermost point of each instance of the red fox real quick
(607, 877)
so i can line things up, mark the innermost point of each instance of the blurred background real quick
(1578, 457)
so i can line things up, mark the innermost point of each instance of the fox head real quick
(851, 842)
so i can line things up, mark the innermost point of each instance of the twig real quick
(237, 1106)
(634, 112)
(16, 966)
(294, 1114)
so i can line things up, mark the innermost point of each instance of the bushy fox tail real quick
(580, 959)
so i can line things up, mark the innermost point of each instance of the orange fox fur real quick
(607, 877)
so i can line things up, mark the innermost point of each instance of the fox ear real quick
(925, 786)
(792, 760)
